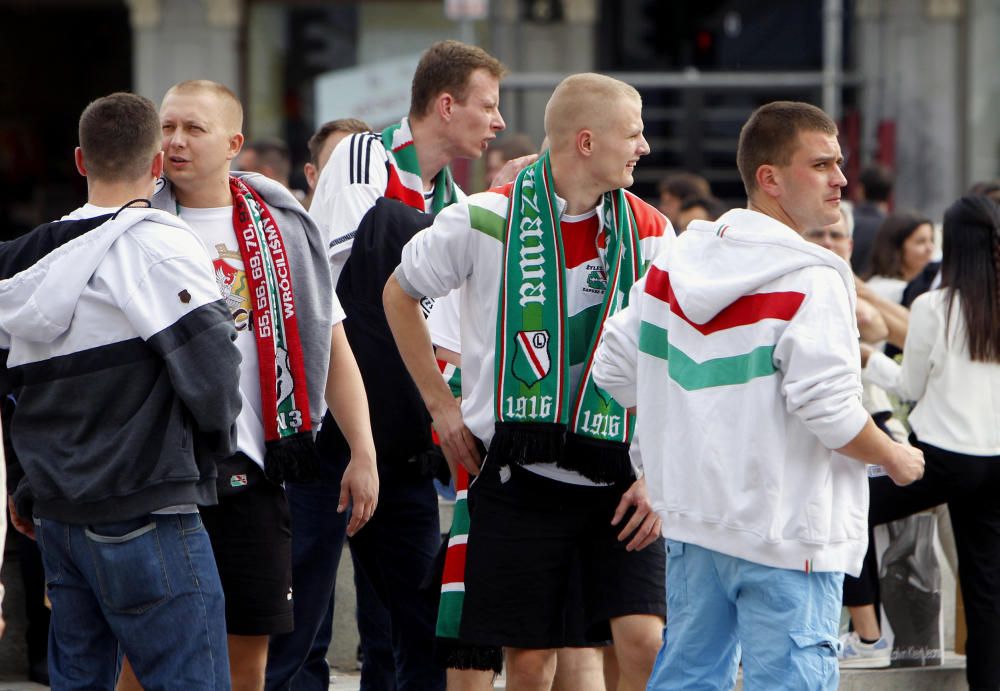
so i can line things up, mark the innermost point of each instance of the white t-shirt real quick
(215, 228)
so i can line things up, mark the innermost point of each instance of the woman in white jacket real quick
(951, 368)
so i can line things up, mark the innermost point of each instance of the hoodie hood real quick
(272, 192)
(712, 264)
(38, 303)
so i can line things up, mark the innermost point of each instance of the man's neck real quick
(574, 185)
(770, 207)
(433, 150)
(115, 195)
(209, 195)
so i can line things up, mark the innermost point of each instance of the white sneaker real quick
(855, 654)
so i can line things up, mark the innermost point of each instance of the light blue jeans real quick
(149, 584)
(784, 621)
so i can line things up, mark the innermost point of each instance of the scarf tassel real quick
(454, 654)
(521, 443)
(292, 459)
(597, 460)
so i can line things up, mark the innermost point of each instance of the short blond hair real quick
(583, 101)
(231, 105)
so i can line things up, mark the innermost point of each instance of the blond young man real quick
(271, 268)
(556, 507)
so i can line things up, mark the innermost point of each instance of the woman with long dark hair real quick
(951, 368)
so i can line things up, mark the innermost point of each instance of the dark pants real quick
(37, 633)
(378, 667)
(396, 551)
(970, 485)
(297, 660)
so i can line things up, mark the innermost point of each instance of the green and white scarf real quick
(539, 417)
(405, 182)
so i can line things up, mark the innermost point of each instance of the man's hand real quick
(23, 526)
(359, 489)
(511, 168)
(457, 442)
(907, 465)
(645, 525)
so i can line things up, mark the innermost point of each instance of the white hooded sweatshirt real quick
(740, 351)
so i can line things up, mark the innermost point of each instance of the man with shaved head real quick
(270, 265)
(557, 514)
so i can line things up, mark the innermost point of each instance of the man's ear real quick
(768, 179)
(235, 145)
(81, 167)
(445, 106)
(312, 175)
(585, 142)
(157, 168)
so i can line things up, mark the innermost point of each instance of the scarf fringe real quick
(454, 654)
(598, 460)
(292, 459)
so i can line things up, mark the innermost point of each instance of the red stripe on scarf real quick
(395, 189)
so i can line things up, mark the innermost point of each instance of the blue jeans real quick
(148, 584)
(785, 621)
(297, 660)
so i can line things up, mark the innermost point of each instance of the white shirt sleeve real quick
(445, 322)
(820, 360)
(616, 360)
(909, 381)
(440, 258)
(349, 185)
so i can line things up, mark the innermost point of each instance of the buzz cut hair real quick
(225, 95)
(771, 136)
(446, 67)
(119, 137)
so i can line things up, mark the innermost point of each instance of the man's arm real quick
(177, 309)
(345, 395)
(903, 463)
(616, 360)
(409, 329)
(871, 324)
(822, 385)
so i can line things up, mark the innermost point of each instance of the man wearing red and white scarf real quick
(271, 268)
(454, 113)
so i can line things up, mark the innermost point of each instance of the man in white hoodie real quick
(739, 351)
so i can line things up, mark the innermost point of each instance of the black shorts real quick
(251, 535)
(544, 567)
